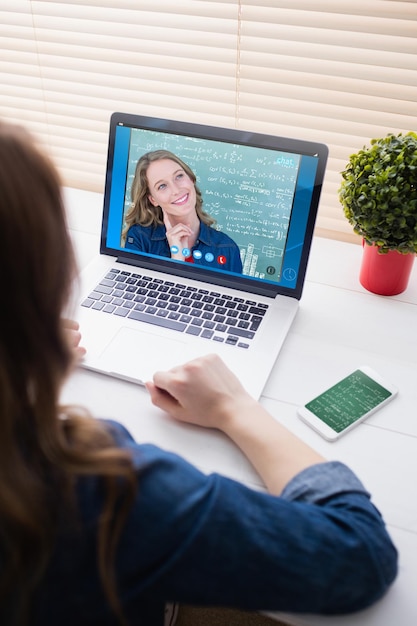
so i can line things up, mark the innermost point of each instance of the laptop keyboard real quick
(200, 312)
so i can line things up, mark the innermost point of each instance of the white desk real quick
(339, 327)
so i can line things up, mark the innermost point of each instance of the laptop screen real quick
(253, 197)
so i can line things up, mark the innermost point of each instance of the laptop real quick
(148, 306)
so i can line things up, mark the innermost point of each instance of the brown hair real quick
(43, 447)
(142, 211)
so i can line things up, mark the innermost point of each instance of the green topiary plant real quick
(379, 193)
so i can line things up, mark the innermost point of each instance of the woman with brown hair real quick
(43, 448)
(167, 217)
(96, 529)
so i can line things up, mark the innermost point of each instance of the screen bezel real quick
(186, 270)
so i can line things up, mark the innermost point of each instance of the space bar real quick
(157, 321)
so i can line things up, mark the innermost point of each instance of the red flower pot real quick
(385, 274)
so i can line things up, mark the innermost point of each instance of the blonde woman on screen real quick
(167, 217)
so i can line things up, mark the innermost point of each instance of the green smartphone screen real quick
(348, 400)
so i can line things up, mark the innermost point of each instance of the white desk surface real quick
(339, 327)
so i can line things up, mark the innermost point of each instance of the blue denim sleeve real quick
(138, 238)
(321, 481)
(321, 547)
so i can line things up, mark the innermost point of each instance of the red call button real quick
(221, 260)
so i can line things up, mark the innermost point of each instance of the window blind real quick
(341, 73)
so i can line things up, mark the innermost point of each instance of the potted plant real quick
(379, 198)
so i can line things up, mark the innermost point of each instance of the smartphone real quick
(350, 401)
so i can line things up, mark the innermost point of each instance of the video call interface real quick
(259, 197)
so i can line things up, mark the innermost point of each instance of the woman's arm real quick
(321, 547)
(206, 393)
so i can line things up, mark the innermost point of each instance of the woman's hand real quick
(203, 392)
(206, 393)
(178, 236)
(73, 338)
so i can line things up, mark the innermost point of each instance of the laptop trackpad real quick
(136, 355)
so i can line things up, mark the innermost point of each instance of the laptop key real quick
(95, 296)
(241, 332)
(103, 289)
(255, 323)
(106, 282)
(193, 330)
(257, 310)
(165, 322)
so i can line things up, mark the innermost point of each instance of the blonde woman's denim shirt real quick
(211, 245)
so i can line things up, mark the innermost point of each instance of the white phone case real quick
(347, 403)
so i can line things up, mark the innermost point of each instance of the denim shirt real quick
(320, 547)
(212, 248)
